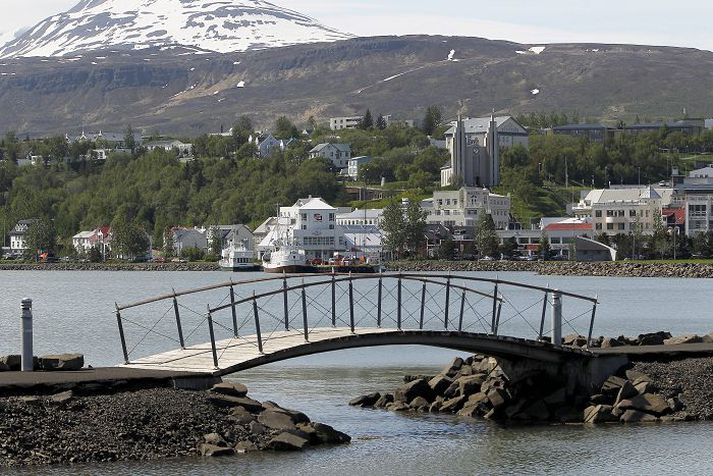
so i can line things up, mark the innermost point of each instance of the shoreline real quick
(564, 268)
(110, 267)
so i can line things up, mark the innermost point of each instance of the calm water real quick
(73, 311)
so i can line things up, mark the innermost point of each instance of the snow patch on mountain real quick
(206, 25)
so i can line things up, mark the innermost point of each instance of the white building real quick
(348, 122)
(184, 149)
(338, 154)
(17, 236)
(367, 217)
(99, 238)
(354, 165)
(463, 207)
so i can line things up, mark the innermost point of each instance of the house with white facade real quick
(354, 165)
(231, 235)
(338, 154)
(347, 122)
(463, 207)
(18, 246)
(183, 239)
(183, 149)
(99, 238)
(365, 217)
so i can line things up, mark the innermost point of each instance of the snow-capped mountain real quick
(215, 25)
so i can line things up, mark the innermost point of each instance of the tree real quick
(242, 129)
(394, 227)
(415, 226)
(703, 244)
(216, 243)
(509, 247)
(41, 237)
(380, 122)
(367, 122)
(486, 238)
(285, 129)
(447, 250)
(431, 120)
(659, 240)
(545, 247)
(129, 139)
(129, 241)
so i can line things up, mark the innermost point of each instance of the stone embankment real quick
(563, 268)
(643, 391)
(95, 425)
(69, 266)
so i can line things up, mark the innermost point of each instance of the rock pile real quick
(47, 363)
(651, 338)
(150, 424)
(477, 387)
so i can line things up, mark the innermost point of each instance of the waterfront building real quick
(368, 217)
(463, 207)
(561, 232)
(18, 245)
(337, 154)
(99, 238)
(475, 145)
(182, 239)
(231, 236)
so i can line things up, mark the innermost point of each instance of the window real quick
(610, 213)
(610, 226)
(598, 226)
(331, 217)
(598, 213)
(632, 213)
(304, 216)
(621, 226)
(304, 227)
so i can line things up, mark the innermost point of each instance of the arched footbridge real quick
(236, 325)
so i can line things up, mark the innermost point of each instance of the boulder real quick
(452, 391)
(453, 405)
(452, 369)
(245, 447)
(215, 451)
(601, 399)
(10, 363)
(635, 416)
(65, 362)
(625, 392)
(612, 385)
(485, 366)
(365, 401)
(478, 399)
(599, 414)
(258, 428)
(497, 398)
(645, 387)
(419, 403)
(214, 439)
(277, 420)
(609, 342)
(440, 384)
(465, 370)
(655, 338)
(62, 397)
(241, 416)
(417, 388)
(469, 411)
(635, 376)
(436, 405)
(397, 407)
(327, 435)
(686, 339)
(675, 404)
(648, 403)
(384, 400)
(470, 384)
(287, 441)
(234, 389)
(253, 406)
(574, 340)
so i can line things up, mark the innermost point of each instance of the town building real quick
(475, 146)
(231, 235)
(366, 217)
(111, 140)
(337, 154)
(365, 241)
(99, 238)
(183, 149)
(562, 233)
(348, 122)
(463, 207)
(592, 132)
(355, 164)
(182, 239)
(18, 245)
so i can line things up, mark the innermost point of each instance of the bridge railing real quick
(255, 312)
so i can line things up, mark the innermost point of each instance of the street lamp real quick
(674, 231)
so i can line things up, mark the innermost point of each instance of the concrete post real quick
(27, 363)
(556, 318)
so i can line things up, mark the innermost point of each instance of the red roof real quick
(679, 213)
(569, 227)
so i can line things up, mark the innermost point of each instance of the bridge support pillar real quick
(556, 318)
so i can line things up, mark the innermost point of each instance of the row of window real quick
(318, 217)
(622, 213)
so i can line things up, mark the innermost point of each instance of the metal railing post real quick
(233, 312)
(257, 324)
(378, 302)
(27, 359)
(423, 306)
(462, 310)
(212, 339)
(495, 309)
(285, 306)
(556, 318)
(591, 322)
(334, 300)
(544, 313)
(178, 321)
(351, 303)
(448, 302)
(304, 313)
(398, 304)
(121, 334)
(497, 318)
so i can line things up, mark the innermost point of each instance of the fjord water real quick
(74, 312)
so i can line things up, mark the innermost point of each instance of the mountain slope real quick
(213, 25)
(170, 92)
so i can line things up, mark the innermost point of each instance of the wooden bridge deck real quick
(242, 353)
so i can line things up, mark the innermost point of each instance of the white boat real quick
(238, 258)
(286, 259)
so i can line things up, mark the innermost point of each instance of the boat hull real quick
(241, 269)
(290, 269)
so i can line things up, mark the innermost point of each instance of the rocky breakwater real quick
(111, 266)
(100, 426)
(563, 268)
(477, 387)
